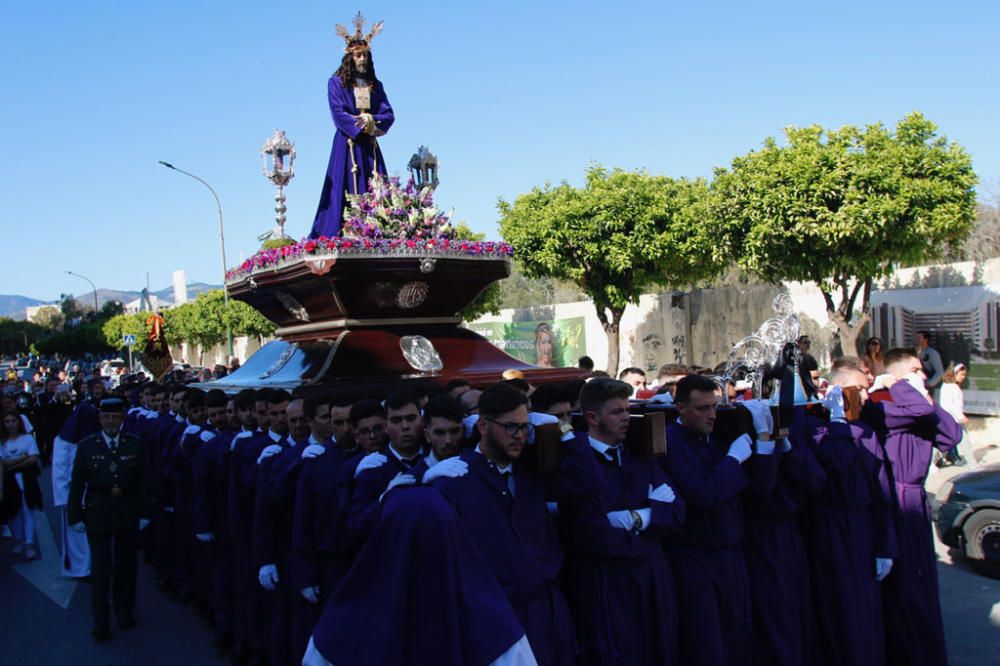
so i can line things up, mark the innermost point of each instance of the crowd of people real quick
(423, 528)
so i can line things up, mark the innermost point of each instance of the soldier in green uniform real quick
(109, 499)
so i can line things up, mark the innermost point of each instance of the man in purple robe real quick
(361, 113)
(501, 501)
(617, 579)
(712, 586)
(167, 434)
(911, 426)
(373, 474)
(849, 532)
(421, 593)
(182, 479)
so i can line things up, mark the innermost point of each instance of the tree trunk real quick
(611, 327)
(849, 333)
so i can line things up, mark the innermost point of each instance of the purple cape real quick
(365, 155)
(418, 563)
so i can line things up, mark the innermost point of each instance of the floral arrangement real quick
(388, 210)
(389, 219)
(272, 258)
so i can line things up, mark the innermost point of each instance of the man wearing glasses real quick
(501, 502)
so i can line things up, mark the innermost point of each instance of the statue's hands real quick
(367, 123)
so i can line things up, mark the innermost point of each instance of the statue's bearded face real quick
(360, 61)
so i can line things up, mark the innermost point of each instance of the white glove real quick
(662, 399)
(740, 448)
(168, 509)
(662, 493)
(469, 424)
(370, 461)
(761, 413)
(313, 451)
(786, 444)
(914, 380)
(268, 577)
(143, 523)
(205, 537)
(882, 381)
(646, 514)
(883, 565)
(450, 468)
(621, 519)
(834, 401)
(78, 527)
(552, 508)
(400, 479)
(311, 594)
(269, 451)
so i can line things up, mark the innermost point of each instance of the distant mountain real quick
(13, 306)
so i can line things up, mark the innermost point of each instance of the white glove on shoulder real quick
(740, 448)
(450, 468)
(313, 451)
(311, 594)
(834, 401)
(78, 527)
(268, 577)
(207, 435)
(271, 450)
(662, 493)
(370, 461)
(914, 380)
(620, 519)
(883, 565)
(883, 381)
(760, 411)
(400, 479)
(143, 523)
(205, 537)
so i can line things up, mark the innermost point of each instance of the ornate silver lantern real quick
(423, 167)
(279, 156)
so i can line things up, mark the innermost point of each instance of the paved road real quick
(35, 628)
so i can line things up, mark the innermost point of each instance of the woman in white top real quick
(20, 461)
(952, 401)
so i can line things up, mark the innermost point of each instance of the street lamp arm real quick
(96, 307)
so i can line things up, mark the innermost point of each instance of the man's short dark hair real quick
(278, 396)
(364, 409)
(693, 383)
(599, 391)
(600, 374)
(521, 385)
(194, 398)
(245, 399)
(177, 388)
(631, 371)
(547, 395)
(216, 398)
(312, 404)
(456, 383)
(159, 389)
(585, 363)
(928, 336)
(443, 406)
(500, 399)
(897, 354)
(845, 363)
(400, 398)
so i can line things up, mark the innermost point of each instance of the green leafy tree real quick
(17, 337)
(490, 299)
(620, 234)
(87, 337)
(202, 322)
(840, 207)
(49, 317)
(117, 327)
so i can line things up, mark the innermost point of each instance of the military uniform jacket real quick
(109, 490)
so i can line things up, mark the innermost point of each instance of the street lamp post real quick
(96, 306)
(222, 241)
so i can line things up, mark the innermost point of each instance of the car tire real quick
(981, 533)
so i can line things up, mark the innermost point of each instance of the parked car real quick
(967, 517)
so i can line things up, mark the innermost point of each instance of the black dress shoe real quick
(101, 635)
(126, 622)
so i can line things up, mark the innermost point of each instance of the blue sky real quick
(509, 95)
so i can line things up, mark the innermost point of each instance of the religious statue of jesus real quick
(361, 113)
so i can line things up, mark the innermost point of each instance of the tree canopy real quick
(620, 234)
(841, 207)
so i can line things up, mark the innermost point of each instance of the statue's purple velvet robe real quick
(420, 592)
(713, 595)
(619, 584)
(910, 429)
(848, 525)
(519, 541)
(367, 156)
(776, 560)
